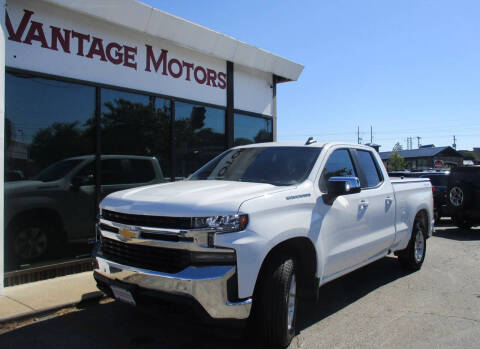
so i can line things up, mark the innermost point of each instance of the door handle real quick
(388, 200)
(363, 204)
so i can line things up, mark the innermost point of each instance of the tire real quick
(459, 196)
(413, 256)
(276, 303)
(436, 216)
(30, 239)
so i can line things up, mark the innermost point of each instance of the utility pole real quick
(418, 141)
(359, 140)
(454, 145)
(371, 134)
(409, 143)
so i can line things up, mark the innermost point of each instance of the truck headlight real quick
(222, 224)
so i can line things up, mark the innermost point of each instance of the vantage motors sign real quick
(48, 39)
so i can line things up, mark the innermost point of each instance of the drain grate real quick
(51, 271)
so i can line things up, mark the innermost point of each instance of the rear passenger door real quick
(377, 211)
(356, 227)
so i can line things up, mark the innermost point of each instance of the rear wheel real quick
(459, 196)
(277, 303)
(413, 256)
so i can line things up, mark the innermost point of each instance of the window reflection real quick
(136, 124)
(49, 137)
(199, 136)
(250, 129)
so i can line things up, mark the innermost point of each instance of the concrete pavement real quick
(31, 299)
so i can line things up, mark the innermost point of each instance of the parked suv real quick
(464, 196)
(58, 205)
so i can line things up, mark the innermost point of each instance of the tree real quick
(59, 141)
(469, 155)
(397, 147)
(396, 162)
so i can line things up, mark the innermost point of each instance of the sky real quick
(407, 68)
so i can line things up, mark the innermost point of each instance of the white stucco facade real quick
(127, 45)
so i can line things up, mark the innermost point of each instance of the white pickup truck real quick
(258, 227)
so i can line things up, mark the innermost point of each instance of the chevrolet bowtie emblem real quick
(127, 234)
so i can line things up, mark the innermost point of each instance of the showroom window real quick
(51, 151)
(251, 129)
(199, 136)
(136, 124)
(49, 138)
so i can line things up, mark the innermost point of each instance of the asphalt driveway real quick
(378, 306)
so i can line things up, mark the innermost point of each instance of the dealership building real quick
(102, 95)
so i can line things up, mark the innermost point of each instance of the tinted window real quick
(250, 129)
(47, 122)
(142, 171)
(57, 170)
(273, 165)
(199, 136)
(126, 171)
(339, 164)
(369, 168)
(136, 124)
(438, 180)
(114, 172)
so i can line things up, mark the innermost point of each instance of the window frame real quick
(352, 159)
(362, 176)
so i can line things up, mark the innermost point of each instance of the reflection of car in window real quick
(58, 205)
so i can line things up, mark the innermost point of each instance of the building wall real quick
(67, 73)
(253, 90)
(132, 55)
(2, 122)
(116, 56)
(428, 162)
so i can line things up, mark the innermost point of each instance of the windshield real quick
(273, 165)
(57, 170)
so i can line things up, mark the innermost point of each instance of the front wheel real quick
(277, 303)
(413, 256)
(30, 239)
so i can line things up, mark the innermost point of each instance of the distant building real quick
(374, 146)
(427, 157)
(477, 151)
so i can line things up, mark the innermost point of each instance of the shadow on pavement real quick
(344, 291)
(454, 233)
(116, 325)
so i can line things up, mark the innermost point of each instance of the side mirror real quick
(79, 181)
(337, 186)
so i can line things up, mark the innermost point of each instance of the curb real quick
(97, 295)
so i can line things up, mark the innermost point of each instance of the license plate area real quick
(123, 295)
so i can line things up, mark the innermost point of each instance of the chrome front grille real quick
(168, 260)
(148, 221)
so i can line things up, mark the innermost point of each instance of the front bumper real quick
(207, 285)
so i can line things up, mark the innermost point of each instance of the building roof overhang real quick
(140, 17)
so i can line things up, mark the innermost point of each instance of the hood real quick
(187, 198)
(28, 186)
